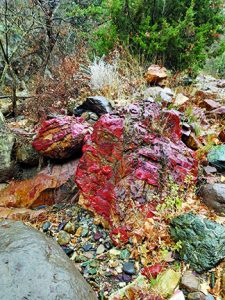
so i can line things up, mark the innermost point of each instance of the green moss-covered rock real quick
(216, 157)
(203, 241)
(24, 152)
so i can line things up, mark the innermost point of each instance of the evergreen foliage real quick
(176, 33)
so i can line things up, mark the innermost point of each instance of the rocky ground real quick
(134, 195)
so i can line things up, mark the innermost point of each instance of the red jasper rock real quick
(127, 162)
(61, 137)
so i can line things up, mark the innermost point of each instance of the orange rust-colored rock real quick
(155, 74)
(40, 190)
(22, 214)
(202, 95)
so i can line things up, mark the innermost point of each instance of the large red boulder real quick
(61, 137)
(128, 161)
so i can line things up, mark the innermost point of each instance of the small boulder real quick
(63, 238)
(33, 266)
(203, 241)
(96, 104)
(61, 137)
(220, 111)
(159, 94)
(51, 185)
(190, 282)
(210, 104)
(24, 152)
(210, 170)
(155, 74)
(216, 157)
(7, 140)
(180, 99)
(5, 106)
(213, 195)
(166, 283)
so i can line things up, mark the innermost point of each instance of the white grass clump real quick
(103, 74)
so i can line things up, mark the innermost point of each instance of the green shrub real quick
(104, 38)
(215, 64)
(176, 33)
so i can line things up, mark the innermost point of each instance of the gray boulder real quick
(24, 152)
(203, 241)
(7, 140)
(34, 267)
(159, 93)
(213, 195)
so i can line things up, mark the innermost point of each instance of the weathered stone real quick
(46, 226)
(213, 195)
(7, 140)
(63, 238)
(203, 241)
(155, 74)
(216, 157)
(51, 185)
(61, 137)
(180, 99)
(124, 165)
(100, 249)
(166, 283)
(90, 117)
(210, 170)
(128, 268)
(159, 94)
(190, 282)
(96, 104)
(33, 266)
(202, 95)
(210, 104)
(69, 227)
(24, 152)
(218, 111)
(5, 106)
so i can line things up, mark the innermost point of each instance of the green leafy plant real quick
(173, 199)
